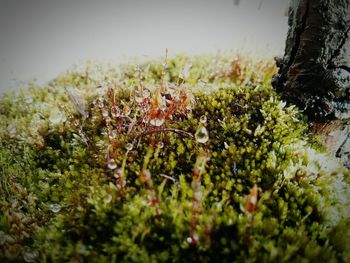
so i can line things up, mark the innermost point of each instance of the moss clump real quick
(167, 162)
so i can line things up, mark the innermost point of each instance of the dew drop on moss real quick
(189, 240)
(193, 239)
(138, 97)
(107, 199)
(55, 208)
(101, 103)
(129, 146)
(160, 145)
(111, 164)
(100, 90)
(30, 256)
(203, 119)
(117, 173)
(157, 121)
(201, 135)
(56, 116)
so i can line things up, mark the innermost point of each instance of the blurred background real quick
(40, 39)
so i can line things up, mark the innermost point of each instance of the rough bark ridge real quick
(315, 70)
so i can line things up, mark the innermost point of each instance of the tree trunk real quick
(315, 70)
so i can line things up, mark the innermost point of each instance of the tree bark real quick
(315, 70)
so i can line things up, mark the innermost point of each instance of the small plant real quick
(187, 159)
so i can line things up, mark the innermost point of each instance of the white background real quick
(40, 39)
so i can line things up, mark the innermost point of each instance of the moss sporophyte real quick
(187, 160)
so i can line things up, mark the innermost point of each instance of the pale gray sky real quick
(43, 38)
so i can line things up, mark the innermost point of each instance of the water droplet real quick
(55, 207)
(157, 121)
(107, 198)
(201, 135)
(30, 256)
(101, 90)
(201, 162)
(203, 119)
(160, 144)
(56, 116)
(129, 146)
(117, 173)
(138, 97)
(105, 113)
(193, 239)
(111, 164)
(100, 103)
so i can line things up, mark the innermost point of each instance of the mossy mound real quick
(167, 162)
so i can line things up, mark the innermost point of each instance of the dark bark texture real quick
(315, 70)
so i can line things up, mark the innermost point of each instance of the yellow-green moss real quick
(91, 170)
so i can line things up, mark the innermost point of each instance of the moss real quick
(190, 160)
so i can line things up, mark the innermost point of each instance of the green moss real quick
(115, 168)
